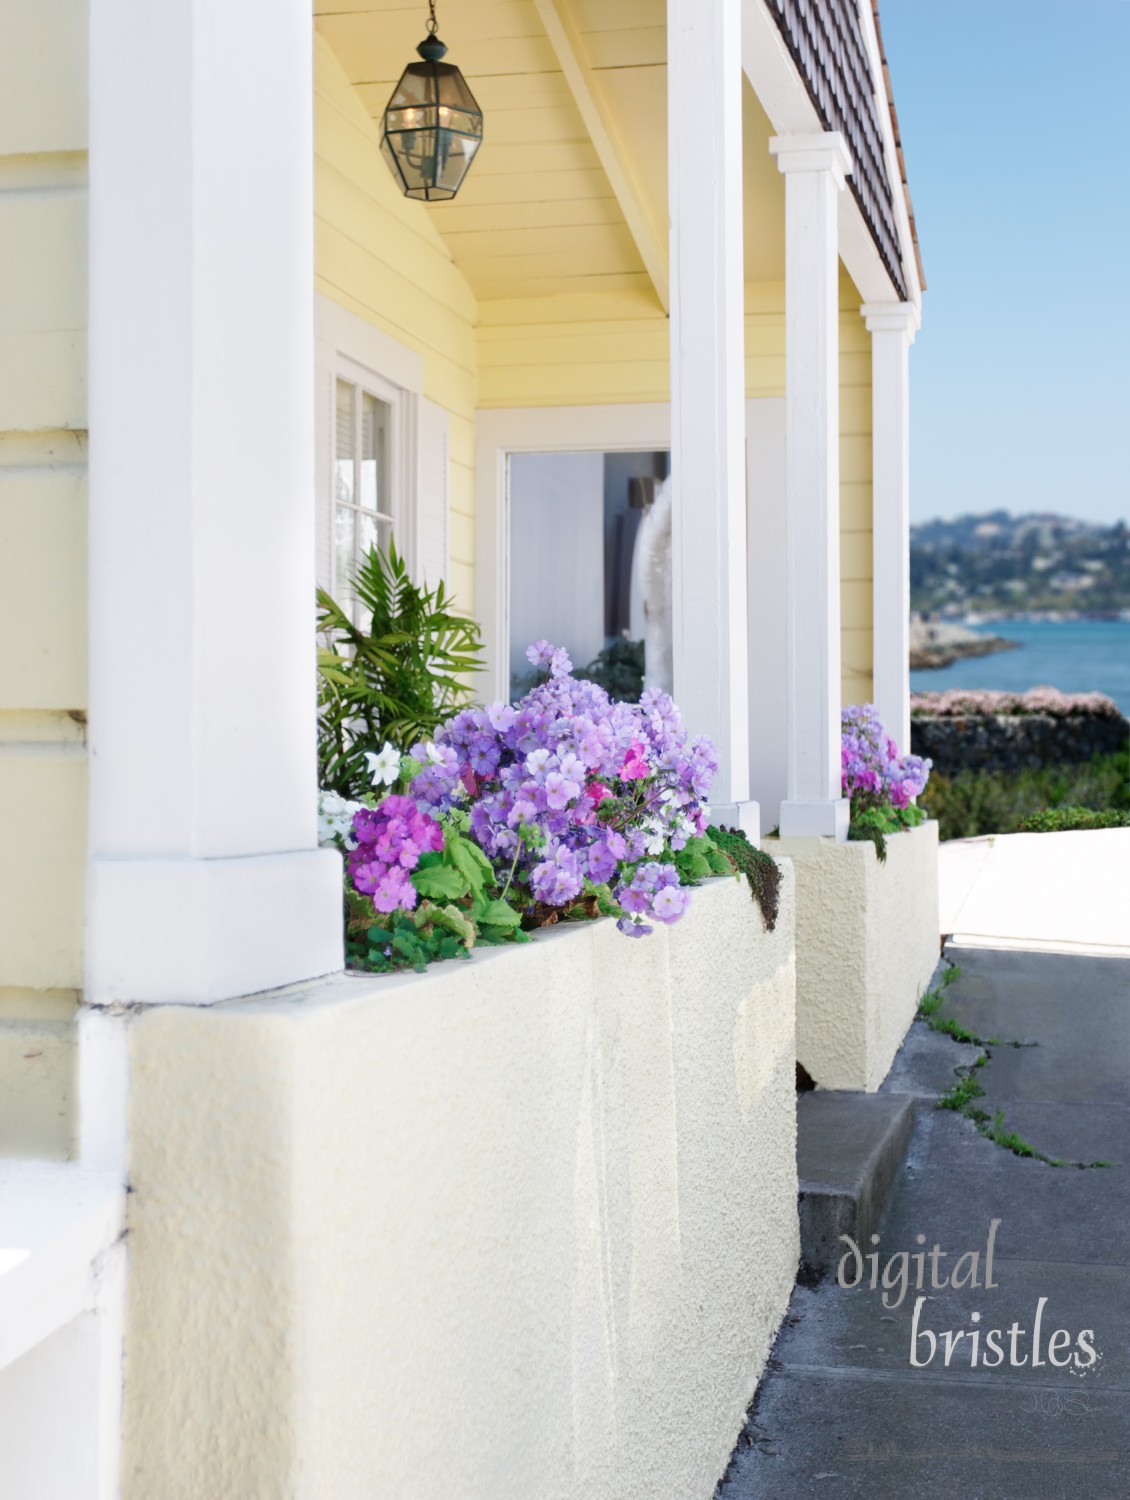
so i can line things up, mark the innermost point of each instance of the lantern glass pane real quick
(432, 128)
(416, 87)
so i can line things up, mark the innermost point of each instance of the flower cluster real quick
(390, 839)
(335, 819)
(958, 703)
(567, 786)
(652, 891)
(874, 774)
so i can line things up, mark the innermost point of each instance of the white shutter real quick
(324, 382)
(431, 493)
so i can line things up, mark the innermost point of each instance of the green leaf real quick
(452, 920)
(471, 862)
(442, 883)
(379, 936)
(719, 864)
(409, 946)
(496, 914)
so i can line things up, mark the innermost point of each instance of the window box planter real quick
(518, 1226)
(867, 944)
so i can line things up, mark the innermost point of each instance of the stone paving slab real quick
(852, 1329)
(853, 1436)
(1047, 1213)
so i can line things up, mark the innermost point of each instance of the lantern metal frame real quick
(432, 126)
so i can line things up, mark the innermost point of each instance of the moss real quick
(761, 871)
(962, 1097)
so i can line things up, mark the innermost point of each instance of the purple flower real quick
(535, 777)
(540, 654)
(559, 790)
(670, 903)
(390, 840)
(557, 880)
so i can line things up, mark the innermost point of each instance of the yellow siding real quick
(42, 568)
(380, 256)
(856, 683)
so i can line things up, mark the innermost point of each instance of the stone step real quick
(849, 1149)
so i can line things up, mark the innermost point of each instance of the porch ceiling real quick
(538, 215)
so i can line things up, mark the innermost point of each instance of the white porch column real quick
(892, 326)
(704, 84)
(815, 168)
(204, 877)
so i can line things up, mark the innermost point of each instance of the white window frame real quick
(350, 349)
(643, 427)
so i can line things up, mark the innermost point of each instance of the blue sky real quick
(1014, 124)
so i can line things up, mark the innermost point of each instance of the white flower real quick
(538, 760)
(335, 819)
(656, 843)
(384, 766)
(434, 754)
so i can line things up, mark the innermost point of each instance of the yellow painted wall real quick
(855, 498)
(605, 349)
(380, 256)
(43, 178)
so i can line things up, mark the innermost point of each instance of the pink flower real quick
(635, 768)
(596, 791)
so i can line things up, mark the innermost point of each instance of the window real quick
(590, 566)
(381, 453)
(364, 510)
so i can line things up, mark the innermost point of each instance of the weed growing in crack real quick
(962, 1097)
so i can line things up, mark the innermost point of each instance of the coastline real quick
(935, 644)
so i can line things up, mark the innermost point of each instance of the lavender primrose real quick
(515, 815)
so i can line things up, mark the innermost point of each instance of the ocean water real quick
(1076, 656)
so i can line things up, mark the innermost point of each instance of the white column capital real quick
(820, 151)
(892, 317)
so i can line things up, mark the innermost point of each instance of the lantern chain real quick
(433, 24)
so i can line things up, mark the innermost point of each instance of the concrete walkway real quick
(842, 1411)
(1050, 892)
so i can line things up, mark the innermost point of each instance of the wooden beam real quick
(588, 95)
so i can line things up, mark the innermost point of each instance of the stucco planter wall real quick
(867, 944)
(520, 1227)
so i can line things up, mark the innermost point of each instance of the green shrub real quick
(1070, 819)
(397, 680)
(974, 803)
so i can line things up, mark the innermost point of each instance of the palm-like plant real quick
(396, 680)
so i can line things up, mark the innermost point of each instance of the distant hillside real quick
(999, 564)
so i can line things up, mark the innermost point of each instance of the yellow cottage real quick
(468, 1234)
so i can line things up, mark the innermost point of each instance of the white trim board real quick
(362, 343)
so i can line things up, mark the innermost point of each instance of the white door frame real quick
(643, 427)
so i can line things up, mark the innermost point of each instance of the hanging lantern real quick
(432, 125)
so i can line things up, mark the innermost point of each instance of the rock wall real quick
(1014, 742)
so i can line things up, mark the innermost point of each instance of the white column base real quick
(235, 926)
(820, 819)
(745, 816)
